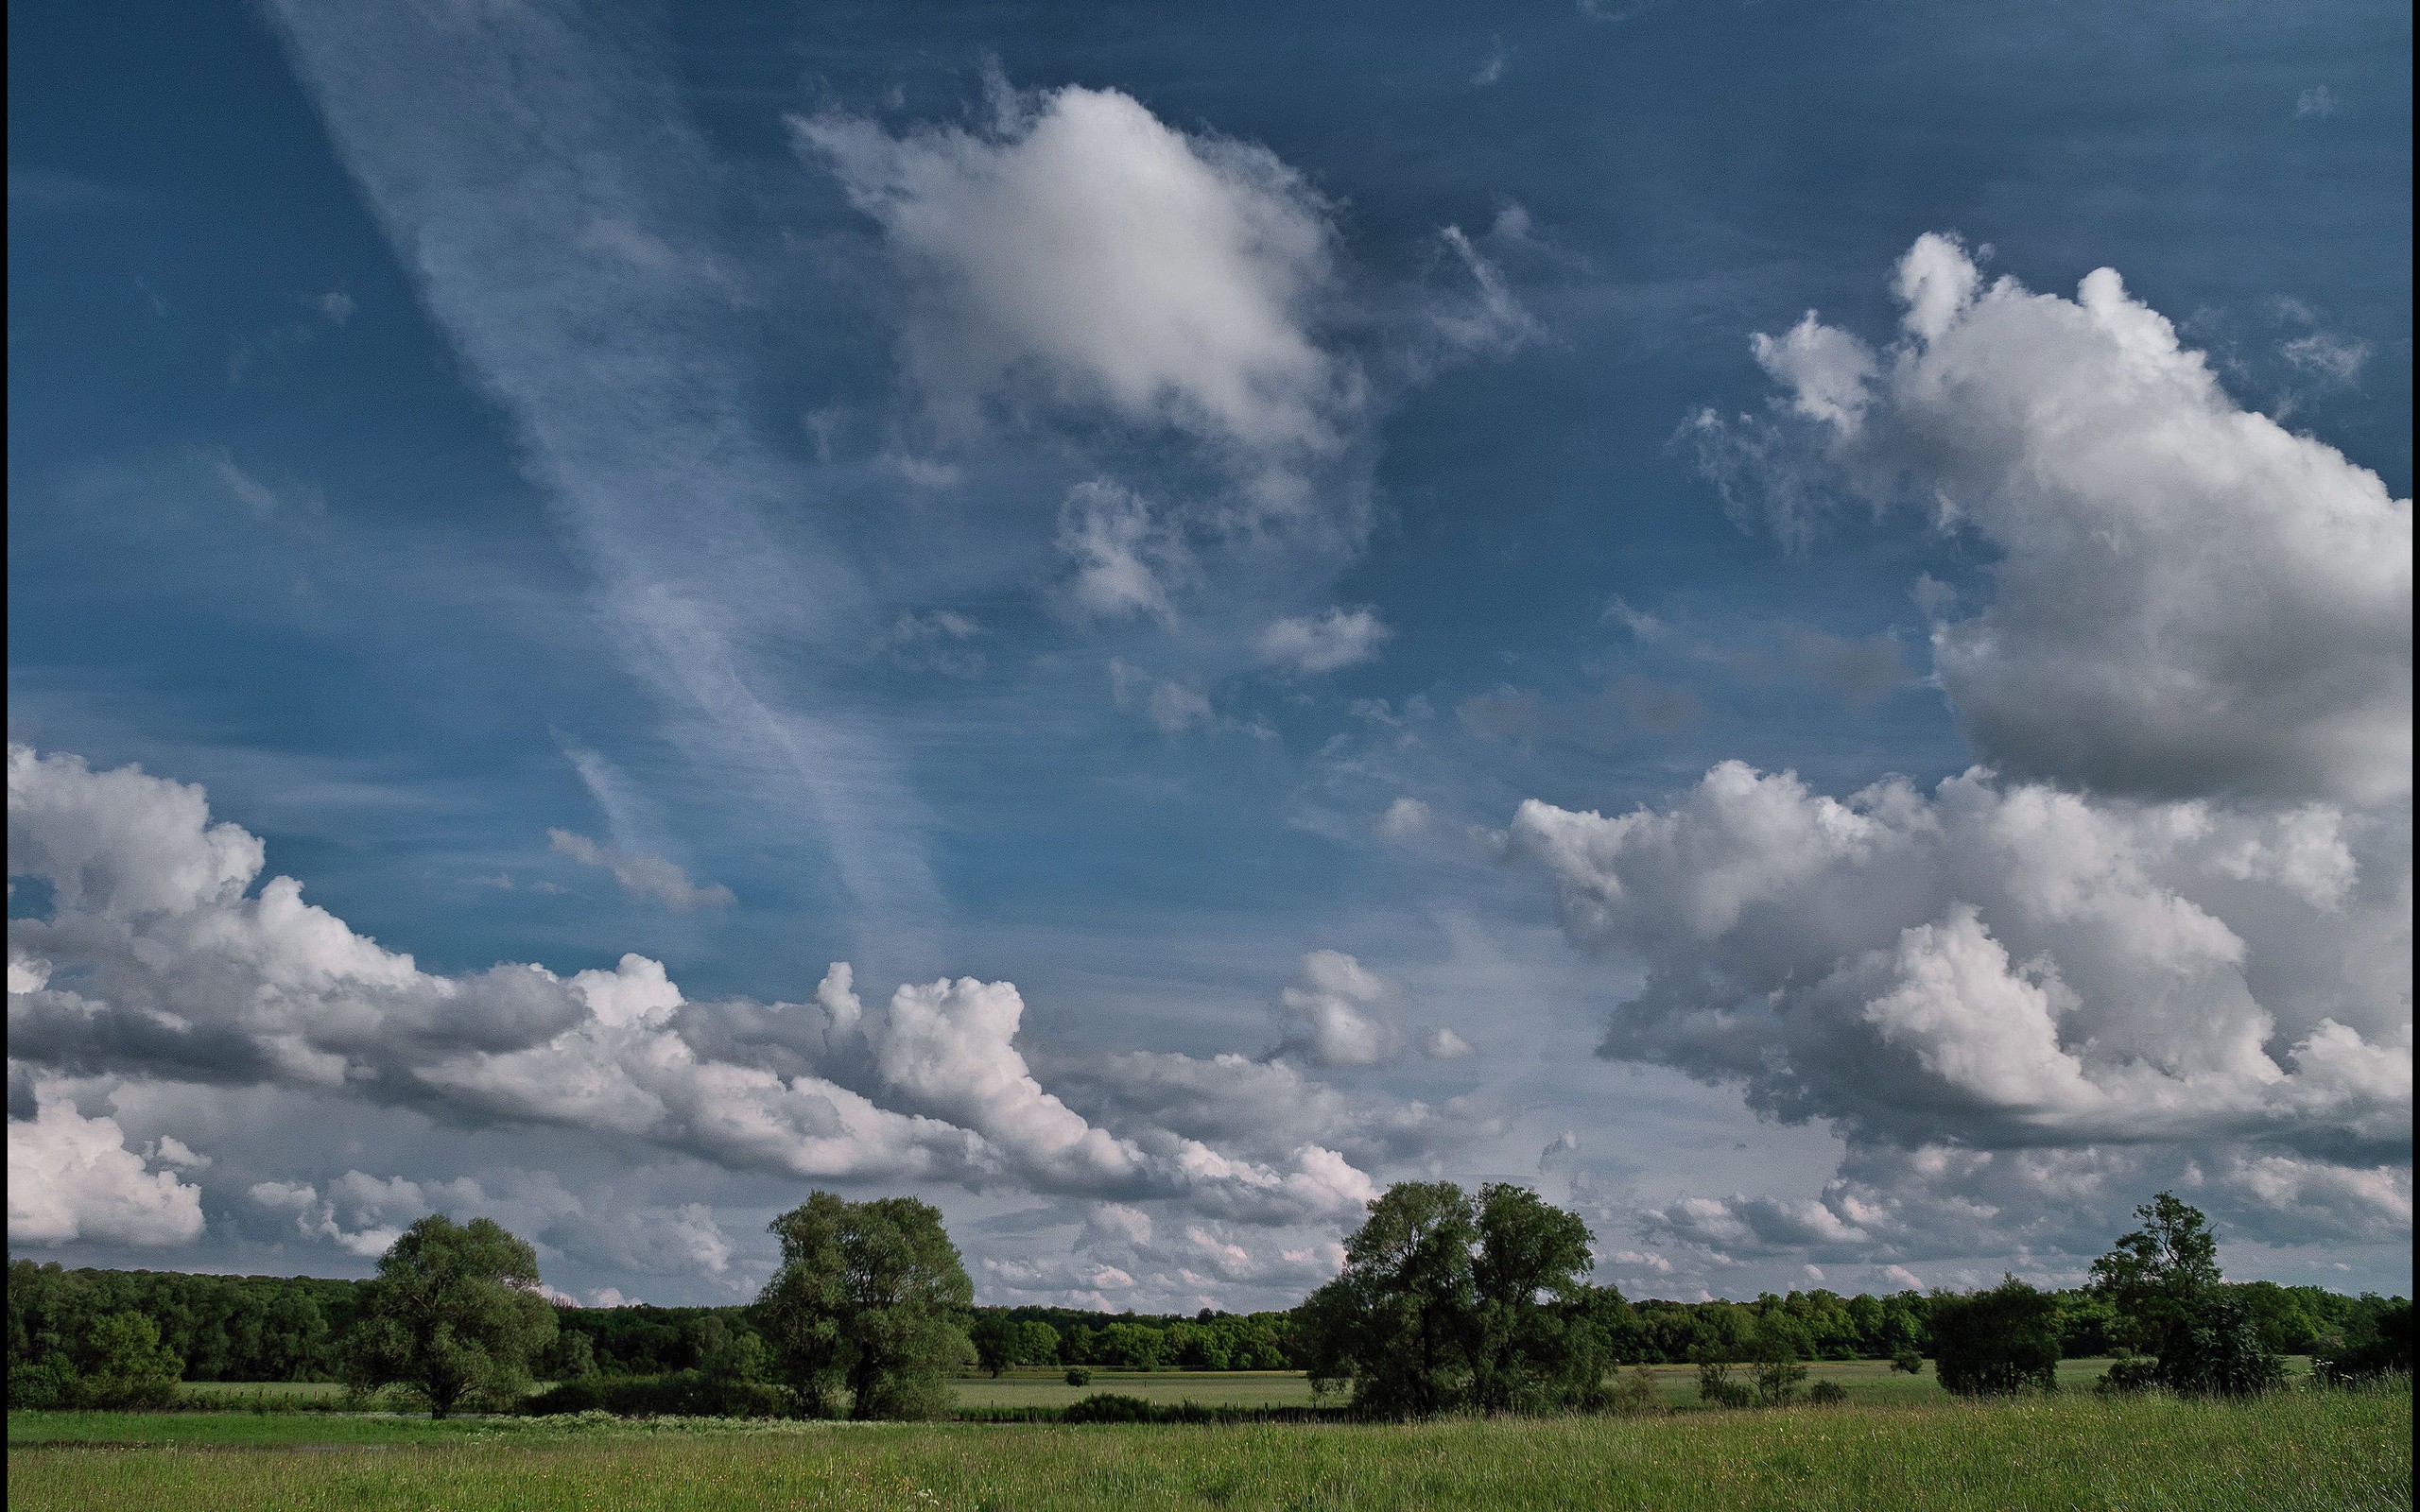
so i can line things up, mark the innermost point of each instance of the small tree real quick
(2162, 1282)
(2376, 1342)
(454, 1315)
(867, 1300)
(123, 1363)
(1774, 1349)
(1997, 1343)
(995, 1343)
(1037, 1342)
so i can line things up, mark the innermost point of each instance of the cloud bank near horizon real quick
(2164, 932)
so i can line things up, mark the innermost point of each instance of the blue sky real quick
(1194, 513)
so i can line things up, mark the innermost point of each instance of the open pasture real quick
(2296, 1449)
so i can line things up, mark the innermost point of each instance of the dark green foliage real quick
(680, 1394)
(1108, 1407)
(454, 1316)
(867, 1302)
(995, 1340)
(1997, 1343)
(1449, 1303)
(225, 1328)
(1827, 1394)
(2220, 1353)
(1715, 1385)
(1397, 1325)
(1539, 1334)
(1908, 1361)
(2162, 1281)
(2374, 1342)
(1774, 1349)
(1078, 1376)
(2156, 1277)
(118, 1361)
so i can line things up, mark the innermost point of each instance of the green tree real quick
(867, 1300)
(995, 1343)
(122, 1365)
(1131, 1346)
(1538, 1341)
(454, 1315)
(2163, 1283)
(2157, 1276)
(1037, 1342)
(1999, 1342)
(1448, 1302)
(1397, 1323)
(1775, 1347)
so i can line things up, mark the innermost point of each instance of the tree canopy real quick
(1448, 1302)
(2163, 1283)
(1999, 1342)
(870, 1300)
(454, 1315)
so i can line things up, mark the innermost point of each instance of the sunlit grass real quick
(2296, 1449)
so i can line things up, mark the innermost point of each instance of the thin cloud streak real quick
(564, 266)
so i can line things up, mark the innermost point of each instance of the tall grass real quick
(2290, 1450)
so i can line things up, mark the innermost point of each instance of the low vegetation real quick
(2290, 1451)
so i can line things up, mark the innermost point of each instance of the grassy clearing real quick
(2299, 1450)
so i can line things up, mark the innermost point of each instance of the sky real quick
(1788, 623)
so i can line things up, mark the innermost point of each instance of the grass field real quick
(2293, 1451)
(1865, 1380)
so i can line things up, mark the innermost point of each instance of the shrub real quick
(679, 1394)
(1110, 1407)
(1997, 1343)
(1636, 1393)
(1827, 1394)
(1716, 1386)
(2129, 1372)
(2377, 1343)
(1907, 1361)
(1078, 1376)
(2219, 1354)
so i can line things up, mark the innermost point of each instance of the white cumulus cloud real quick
(2190, 600)
(71, 1178)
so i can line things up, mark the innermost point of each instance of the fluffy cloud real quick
(2010, 965)
(364, 1214)
(1124, 557)
(1084, 252)
(180, 969)
(1323, 643)
(1337, 1012)
(2164, 937)
(642, 876)
(1266, 1109)
(71, 1178)
(2212, 605)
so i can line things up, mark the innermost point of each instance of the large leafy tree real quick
(453, 1316)
(2163, 1283)
(1447, 1302)
(1999, 1342)
(1540, 1340)
(869, 1301)
(1396, 1324)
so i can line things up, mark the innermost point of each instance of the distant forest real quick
(265, 1328)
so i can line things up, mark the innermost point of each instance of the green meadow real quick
(2291, 1449)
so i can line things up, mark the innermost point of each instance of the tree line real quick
(1447, 1302)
